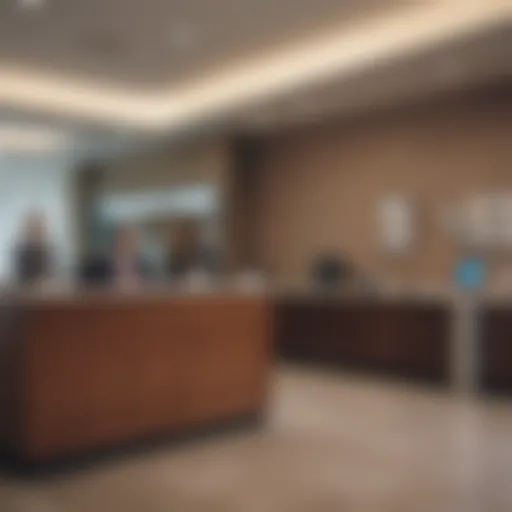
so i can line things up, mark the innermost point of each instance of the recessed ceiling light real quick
(32, 4)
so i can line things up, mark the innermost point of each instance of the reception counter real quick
(460, 340)
(495, 345)
(404, 336)
(78, 373)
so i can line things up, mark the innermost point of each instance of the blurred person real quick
(34, 253)
(194, 250)
(125, 265)
(184, 254)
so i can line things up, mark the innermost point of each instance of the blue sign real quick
(471, 273)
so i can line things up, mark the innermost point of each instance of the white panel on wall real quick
(35, 183)
(194, 201)
(396, 222)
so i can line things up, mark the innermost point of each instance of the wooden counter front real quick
(91, 373)
(400, 336)
(495, 347)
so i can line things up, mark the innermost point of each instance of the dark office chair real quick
(330, 271)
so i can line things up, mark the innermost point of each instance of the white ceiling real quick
(111, 63)
(155, 43)
(479, 60)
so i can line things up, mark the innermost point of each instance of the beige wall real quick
(319, 188)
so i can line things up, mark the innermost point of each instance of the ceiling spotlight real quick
(32, 4)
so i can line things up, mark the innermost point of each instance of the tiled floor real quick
(333, 443)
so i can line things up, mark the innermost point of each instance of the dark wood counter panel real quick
(86, 374)
(495, 346)
(408, 338)
(10, 375)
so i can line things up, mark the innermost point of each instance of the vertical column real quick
(464, 354)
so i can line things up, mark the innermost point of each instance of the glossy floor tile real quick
(332, 442)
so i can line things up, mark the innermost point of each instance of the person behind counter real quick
(331, 271)
(125, 266)
(33, 254)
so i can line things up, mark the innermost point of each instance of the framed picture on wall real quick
(396, 223)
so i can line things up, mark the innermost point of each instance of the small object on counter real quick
(199, 280)
(250, 281)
